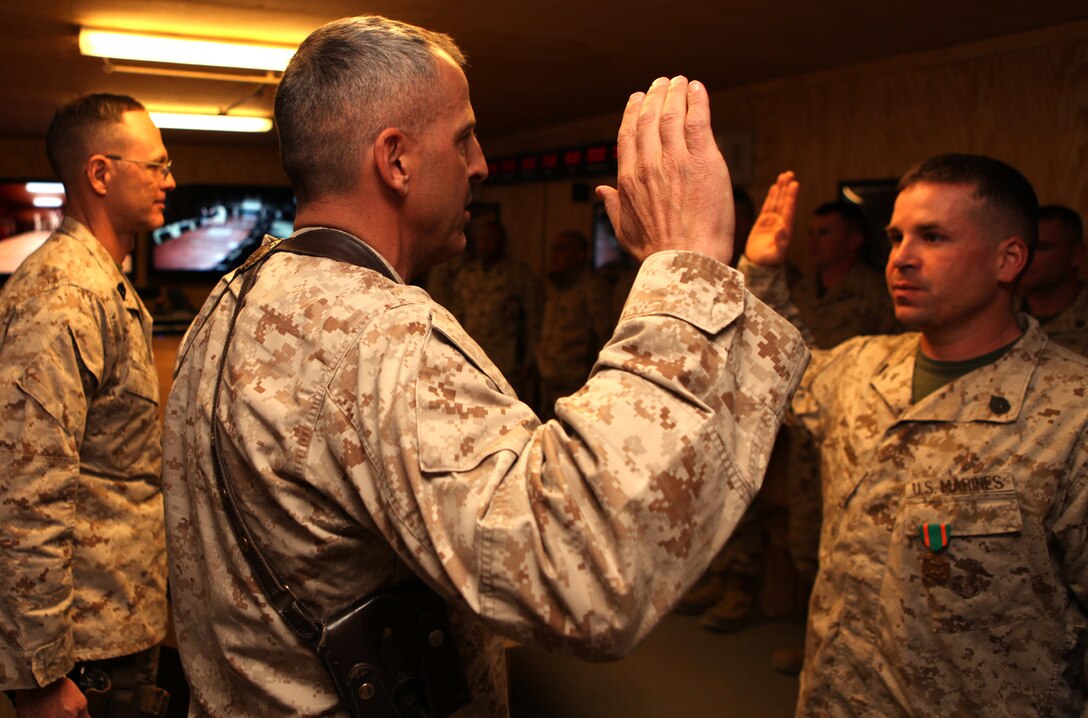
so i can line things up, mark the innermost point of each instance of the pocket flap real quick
(142, 381)
(466, 410)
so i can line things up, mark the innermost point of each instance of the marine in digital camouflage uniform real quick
(1070, 326)
(1052, 287)
(500, 305)
(81, 522)
(380, 443)
(577, 320)
(953, 573)
(839, 298)
(856, 306)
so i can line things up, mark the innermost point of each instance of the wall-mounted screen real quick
(29, 212)
(211, 229)
(607, 252)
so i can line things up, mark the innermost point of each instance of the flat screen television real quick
(211, 229)
(607, 253)
(30, 209)
(29, 212)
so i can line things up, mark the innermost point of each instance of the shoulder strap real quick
(332, 244)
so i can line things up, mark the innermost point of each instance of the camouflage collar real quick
(993, 393)
(79, 232)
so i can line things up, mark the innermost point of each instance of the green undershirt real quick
(930, 374)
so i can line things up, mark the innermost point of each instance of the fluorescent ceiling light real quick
(117, 45)
(215, 123)
(852, 196)
(45, 188)
(48, 201)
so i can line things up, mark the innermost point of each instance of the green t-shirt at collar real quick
(931, 374)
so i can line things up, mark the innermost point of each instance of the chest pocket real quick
(140, 379)
(983, 576)
(466, 410)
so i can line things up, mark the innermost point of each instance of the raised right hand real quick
(673, 189)
(60, 699)
(770, 236)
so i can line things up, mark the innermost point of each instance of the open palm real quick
(770, 236)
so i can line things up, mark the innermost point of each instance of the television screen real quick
(213, 228)
(29, 212)
(607, 252)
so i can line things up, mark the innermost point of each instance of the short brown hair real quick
(79, 124)
(999, 185)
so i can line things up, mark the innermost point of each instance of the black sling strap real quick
(390, 655)
(333, 244)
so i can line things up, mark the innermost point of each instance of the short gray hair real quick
(348, 81)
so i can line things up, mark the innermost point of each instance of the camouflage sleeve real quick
(52, 359)
(827, 369)
(1071, 525)
(579, 534)
(770, 285)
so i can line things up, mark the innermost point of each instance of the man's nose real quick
(477, 162)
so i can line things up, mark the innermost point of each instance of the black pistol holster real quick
(393, 655)
(390, 655)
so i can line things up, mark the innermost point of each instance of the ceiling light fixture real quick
(217, 123)
(45, 188)
(121, 45)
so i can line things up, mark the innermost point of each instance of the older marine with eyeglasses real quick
(83, 560)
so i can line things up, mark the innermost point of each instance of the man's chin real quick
(909, 318)
(448, 251)
(455, 248)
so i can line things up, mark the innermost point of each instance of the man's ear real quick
(1012, 259)
(394, 160)
(97, 172)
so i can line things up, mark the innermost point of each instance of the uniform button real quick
(367, 691)
(999, 404)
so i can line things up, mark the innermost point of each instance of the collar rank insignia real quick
(935, 536)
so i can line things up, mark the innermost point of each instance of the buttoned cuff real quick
(53, 660)
(711, 296)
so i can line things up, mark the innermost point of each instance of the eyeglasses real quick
(164, 168)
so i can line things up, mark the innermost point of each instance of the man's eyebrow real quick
(924, 227)
(468, 128)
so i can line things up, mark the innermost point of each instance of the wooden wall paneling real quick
(523, 210)
(227, 164)
(24, 158)
(1023, 99)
